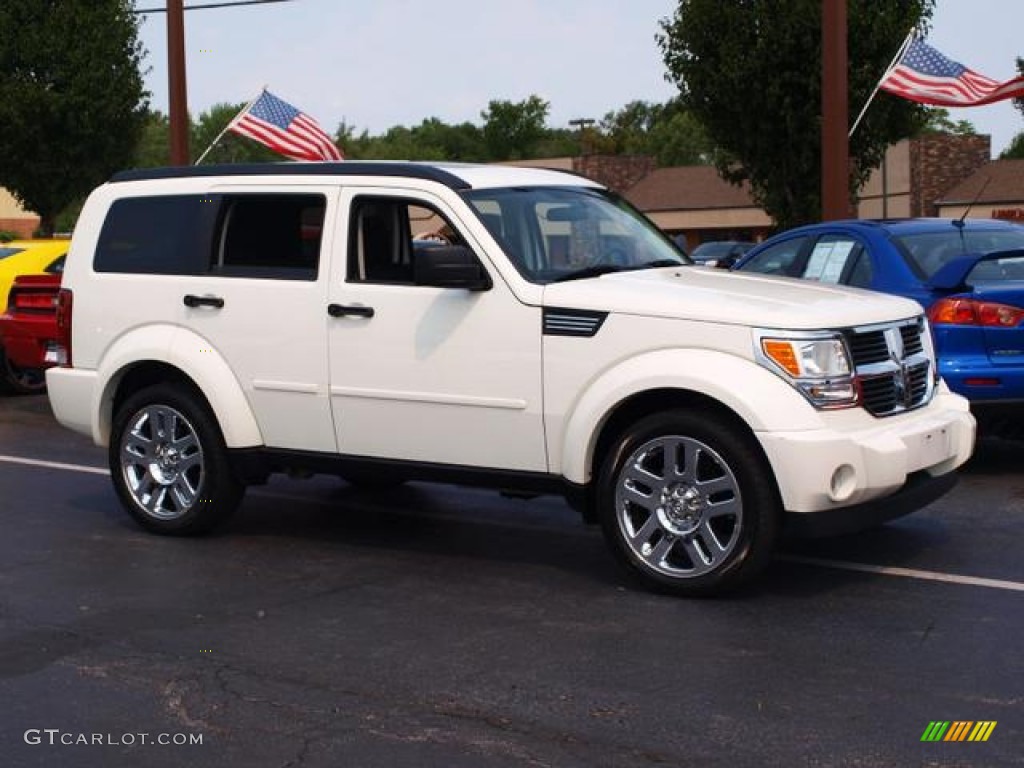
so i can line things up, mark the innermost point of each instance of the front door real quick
(426, 374)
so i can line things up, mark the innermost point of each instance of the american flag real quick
(926, 76)
(280, 126)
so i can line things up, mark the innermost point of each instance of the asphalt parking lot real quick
(437, 626)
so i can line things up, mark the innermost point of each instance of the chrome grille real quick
(892, 366)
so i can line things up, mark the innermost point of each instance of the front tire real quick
(688, 504)
(169, 462)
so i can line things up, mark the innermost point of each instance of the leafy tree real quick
(512, 130)
(939, 121)
(72, 102)
(563, 142)
(668, 132)
(231, 147)
(750, 73)
(153, 149)
(1016, 149)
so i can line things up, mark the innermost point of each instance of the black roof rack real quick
(347, 168)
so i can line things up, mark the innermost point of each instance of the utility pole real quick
(581, 124)
(835, 158)
(178, 101)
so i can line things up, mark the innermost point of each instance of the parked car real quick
(968, 274)
(25, 257)
(720, 253)
(221, 323)
(29, 257)
(28, 333)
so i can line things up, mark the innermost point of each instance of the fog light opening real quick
(844, 482)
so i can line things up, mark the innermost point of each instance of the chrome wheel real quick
(678, 507)
(161, 462)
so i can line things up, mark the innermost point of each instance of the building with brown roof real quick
(14, 218)
(996, 190)
(695, 202)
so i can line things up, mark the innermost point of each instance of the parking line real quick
(842, 565)
(55, 465)
(909, 573)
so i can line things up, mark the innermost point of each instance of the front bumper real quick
(920, 490)
(858, 459)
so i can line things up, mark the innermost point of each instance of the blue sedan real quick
(968, 274)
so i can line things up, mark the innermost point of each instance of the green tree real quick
(750, 73)
(1016, 149)
(231, 147)
(668, 132)
(512, 130)
(153, 149)
(72, 102)
(940, 121)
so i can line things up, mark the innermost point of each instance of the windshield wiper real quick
(596, 270)
(662, 263)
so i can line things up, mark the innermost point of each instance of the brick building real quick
(14, 218)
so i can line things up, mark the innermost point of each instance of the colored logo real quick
(958, 730)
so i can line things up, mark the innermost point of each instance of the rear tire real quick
(21, 381)
(688, 503)
(169, 462)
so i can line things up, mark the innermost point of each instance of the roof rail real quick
(346, 168)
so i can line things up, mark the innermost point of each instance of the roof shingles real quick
(689, 187)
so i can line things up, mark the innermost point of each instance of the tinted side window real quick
(778, 259)
(166, 235)
(273, 235)
(861, 275)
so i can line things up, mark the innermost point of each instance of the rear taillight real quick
(64, 303)
(29, 300)
(974, 312)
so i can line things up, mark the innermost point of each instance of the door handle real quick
(192, 300)
(341, 310)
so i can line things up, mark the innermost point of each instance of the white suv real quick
(516, 328)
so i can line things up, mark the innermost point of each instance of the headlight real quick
(817, 365)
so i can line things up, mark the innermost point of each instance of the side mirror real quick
(449, 266)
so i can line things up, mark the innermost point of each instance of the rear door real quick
(268, 273)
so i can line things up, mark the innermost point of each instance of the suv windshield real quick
(559, 233)
(930, 251)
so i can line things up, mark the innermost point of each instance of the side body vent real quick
(572, 322)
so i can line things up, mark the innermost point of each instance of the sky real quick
(374, 64)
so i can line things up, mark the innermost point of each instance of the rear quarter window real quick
(166, 235)
(271, 235)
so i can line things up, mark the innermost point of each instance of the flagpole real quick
(899, 54)
(231, 122)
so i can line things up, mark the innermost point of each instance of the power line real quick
(211, 5)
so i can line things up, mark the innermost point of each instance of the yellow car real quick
(29, 257)
(25, 257)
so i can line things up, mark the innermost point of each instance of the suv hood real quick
(699, 293)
